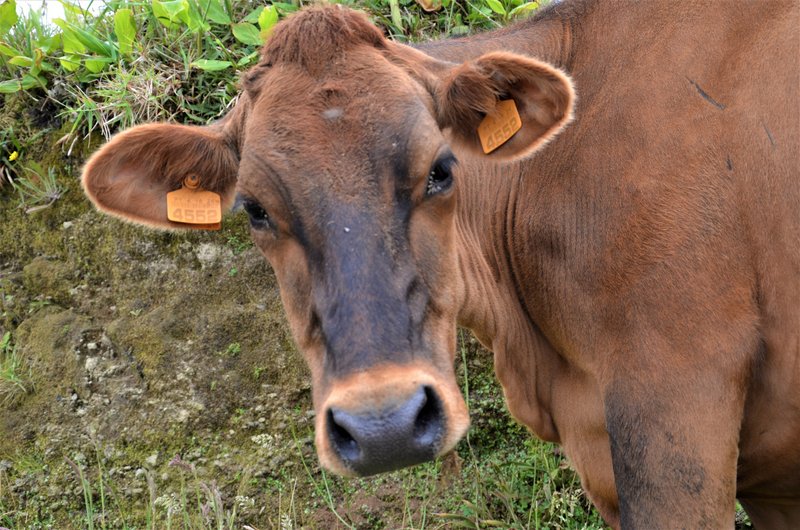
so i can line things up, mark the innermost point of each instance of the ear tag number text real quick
(194, 207)
(498, 127)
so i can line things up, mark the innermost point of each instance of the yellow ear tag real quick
(195, 207)
(499, 126)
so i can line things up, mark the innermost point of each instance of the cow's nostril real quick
(343, 441)
(428, 425)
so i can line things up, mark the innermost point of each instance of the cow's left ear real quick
(542, 94)
(130, 176)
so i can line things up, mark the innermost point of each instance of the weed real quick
(322, 488)
(233, 349)
(205, 509)
(8, 307)
(13, 154)
(237, 245)
(36, 305)
(10, 148)
(39, 189)
(14, 383)
(27, 45)
(88, 496)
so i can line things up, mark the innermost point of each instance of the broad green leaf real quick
(29, 81)
(194, 19)
(9, 87)
(21, 60)
(9, 51)
(170, 12)
(252, 16)
(210, 65)
(70, 62)
(524, 9)
(97, 64)
(8, 16)
(89, 40)
(285, 7)
(125, 28)
(247, 34)
(213, 11)
(247, 59)
(51, 44)
(496, 6)
(94, 66)
(267, 20)
(72, 43)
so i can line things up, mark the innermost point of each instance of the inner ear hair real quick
(130, 176)
(465, 96)
(544, 97)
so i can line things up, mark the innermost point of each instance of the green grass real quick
(500, 477)
(37, 188)
(138, 61)
(15, 381)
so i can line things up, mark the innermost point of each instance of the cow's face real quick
(337, 152)
(351, 199)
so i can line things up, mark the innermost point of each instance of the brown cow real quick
(638, 279)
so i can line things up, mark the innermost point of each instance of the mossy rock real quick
(49, 279)
(44, 343)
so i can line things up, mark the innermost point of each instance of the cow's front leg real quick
(674, 447)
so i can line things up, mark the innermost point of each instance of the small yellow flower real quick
(13, 156)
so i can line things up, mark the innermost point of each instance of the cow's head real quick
(342, 149)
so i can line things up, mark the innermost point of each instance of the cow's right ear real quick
(130, 176)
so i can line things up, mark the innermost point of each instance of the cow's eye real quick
(441, 177)
(259, 219)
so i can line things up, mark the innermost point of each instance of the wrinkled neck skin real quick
(490, 298)
(491, 304)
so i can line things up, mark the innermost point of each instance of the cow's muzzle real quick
(371, 442)
(388, 418)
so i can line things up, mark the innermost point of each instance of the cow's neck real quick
(491, 304)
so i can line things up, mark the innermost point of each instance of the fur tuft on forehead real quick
(315, 37)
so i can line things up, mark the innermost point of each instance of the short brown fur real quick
(319, 36)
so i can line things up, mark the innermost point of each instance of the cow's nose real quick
(372, 442)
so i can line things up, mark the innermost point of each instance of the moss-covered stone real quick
(43, 343)
(50, 279)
